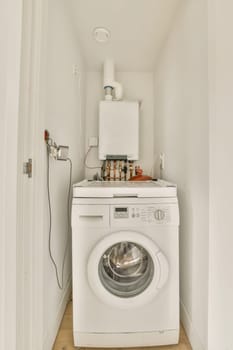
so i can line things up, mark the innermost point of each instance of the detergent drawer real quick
(91, 216)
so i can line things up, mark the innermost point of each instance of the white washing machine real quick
(125, 264)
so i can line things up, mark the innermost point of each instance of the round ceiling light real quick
(101, 35)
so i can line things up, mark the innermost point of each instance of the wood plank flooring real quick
(64, 340)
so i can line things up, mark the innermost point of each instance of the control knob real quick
(159, 214)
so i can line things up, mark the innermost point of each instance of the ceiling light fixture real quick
(101, 35)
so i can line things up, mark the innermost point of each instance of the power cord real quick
(59, 283)
(85, 160)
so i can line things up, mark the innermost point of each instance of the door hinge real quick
(27, 167)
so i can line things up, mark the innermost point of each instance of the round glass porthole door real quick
(126, 269)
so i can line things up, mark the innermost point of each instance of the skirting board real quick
(52, 332)
(189, 329)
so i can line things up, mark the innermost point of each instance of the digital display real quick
(121, 210)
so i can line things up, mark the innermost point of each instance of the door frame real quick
(30, 213)
(21, 224)
(11, 21)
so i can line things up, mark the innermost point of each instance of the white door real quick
(127, 269)
(20, 243)
(29, 204)
(16, 189)
(10, 41)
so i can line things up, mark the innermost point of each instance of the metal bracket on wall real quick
(27, 167)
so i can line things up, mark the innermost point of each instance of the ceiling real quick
(138, 29)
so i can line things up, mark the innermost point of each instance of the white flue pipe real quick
(110, 83)
(109, 74)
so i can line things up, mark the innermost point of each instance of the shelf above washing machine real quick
(121, 189)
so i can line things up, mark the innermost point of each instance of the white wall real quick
(221, 175)
(3, 118)
(64, 118)
(137, 86)
(181, 132)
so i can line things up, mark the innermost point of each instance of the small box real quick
(93, 141)
(62, 152)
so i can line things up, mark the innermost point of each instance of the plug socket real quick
(93, 141)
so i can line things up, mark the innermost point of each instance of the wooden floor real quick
(64, 339)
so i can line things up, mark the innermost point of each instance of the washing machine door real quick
(127, 269)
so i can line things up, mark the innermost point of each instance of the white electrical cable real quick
(59, 283)
(85, 160)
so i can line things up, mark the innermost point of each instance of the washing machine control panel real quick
(136, 214)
